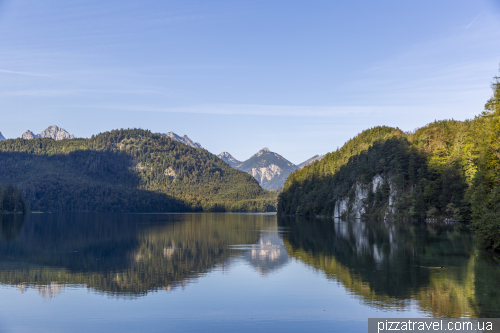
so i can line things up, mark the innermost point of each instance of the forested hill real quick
(126, 170)
(446, 170)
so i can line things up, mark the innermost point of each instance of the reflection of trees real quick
(11, 225)
(391, 263)
(119, 254)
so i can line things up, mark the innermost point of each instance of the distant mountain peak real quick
(229, 159)
(30, 135)
(1, 137)
(310, 161)
(54, 132)
(182, 139)
(262, 151)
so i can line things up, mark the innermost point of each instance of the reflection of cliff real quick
(268, 254)
(390, 264)
(123, 254)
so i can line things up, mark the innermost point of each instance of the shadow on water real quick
(122, 254)
(391, 264)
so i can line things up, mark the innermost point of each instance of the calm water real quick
(234, 272)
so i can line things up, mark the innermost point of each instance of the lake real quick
(96, 272)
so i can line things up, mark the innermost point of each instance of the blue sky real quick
(299, 77)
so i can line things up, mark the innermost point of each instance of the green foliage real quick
(125, 170)
(485, 190)
(445, 170)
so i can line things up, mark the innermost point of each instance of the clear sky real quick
(299, 77)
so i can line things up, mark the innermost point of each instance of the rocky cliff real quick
(356, 205)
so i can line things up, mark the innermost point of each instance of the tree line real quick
(445, 170)
(130, 170)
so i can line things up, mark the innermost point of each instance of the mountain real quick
(270, 169)
(446, 170)
(1, 137)
(30, 135)
(126, 171)
(310, 161)
(54, 132)
(182, 139)
(229, 159)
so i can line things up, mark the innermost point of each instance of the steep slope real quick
(182, 139)
(126, 170)
(270, 169)
(229, 159)
(1, 137)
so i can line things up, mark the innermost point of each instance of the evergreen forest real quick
(445, 170)
(11, 200)
(126, 171)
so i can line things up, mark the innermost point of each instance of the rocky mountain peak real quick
(310, 161)
(30, 135)
(262, 151)
(182, 139)
(53, 132)
(1, 137)
(56, 133)
(229, 159)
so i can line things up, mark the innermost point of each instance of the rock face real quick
(354, 207)
(182, 139)
(1, 137)
(53, 132)
(310, 161)
(229, 159)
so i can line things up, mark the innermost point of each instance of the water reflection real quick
(269, 253)
(385, 264)
(123, 254)
(393, 264)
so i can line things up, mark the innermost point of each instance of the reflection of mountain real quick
(389, 264)
(268, 254)
(122, 253)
